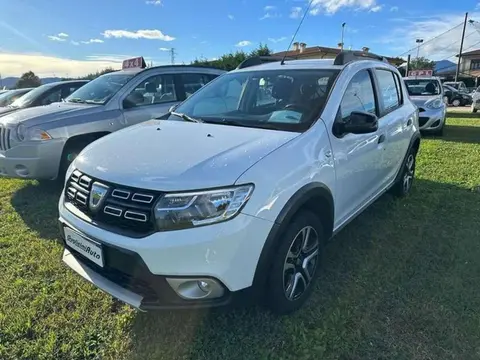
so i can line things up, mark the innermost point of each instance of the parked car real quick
(230, 196)
(42, 142)
(454, 97)
(476, 100)
(427, 94)
(42, 95)
(458, 85)
(10, 96)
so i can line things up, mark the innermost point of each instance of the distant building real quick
(301, 51)
(470, 63)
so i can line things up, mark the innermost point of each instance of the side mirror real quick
(361, 122)
(133, 100)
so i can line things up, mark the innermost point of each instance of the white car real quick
(234, 193)
(476, 100)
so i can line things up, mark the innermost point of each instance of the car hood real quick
(44, 114)
(177, 156)
(4, 110)
(421, 100)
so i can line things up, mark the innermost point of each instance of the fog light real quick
(204, 286)
(196, 289)
(21, 170)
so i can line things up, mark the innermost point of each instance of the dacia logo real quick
(97, 195)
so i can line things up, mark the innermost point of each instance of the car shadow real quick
(462, 134)
(35, 203)
(380, 257)
(463, 115)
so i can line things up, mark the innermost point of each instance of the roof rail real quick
(259, 60)
(347, 56)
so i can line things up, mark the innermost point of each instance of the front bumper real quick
(136, 270)
(476, 104)
(432, 119)
(32, 160)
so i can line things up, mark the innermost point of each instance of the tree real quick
(29, 79)
(422, 63)
(231, 60)
(92, 76)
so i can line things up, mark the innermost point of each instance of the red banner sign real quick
(420, 73)
(134, 63)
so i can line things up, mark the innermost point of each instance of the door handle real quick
(381, 139)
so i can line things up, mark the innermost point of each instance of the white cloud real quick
(376, 8)
(153, 2)
(270, 12)
(277, 40)
(13, 64)
(76, 43)
(92, 41)
(139, 34)
(164, 49)
(394, 8)
(243, 43)
(59, 37)
(296, 12)
(402, 37)
(231, 17)
(332, 6)
(55, 38)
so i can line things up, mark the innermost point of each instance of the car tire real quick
(295, 265)
(70, 152)
(456, 103)
(405, 182)
(474, 111)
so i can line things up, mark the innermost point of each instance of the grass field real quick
(400, 282)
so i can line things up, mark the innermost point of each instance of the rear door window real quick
(388, 90)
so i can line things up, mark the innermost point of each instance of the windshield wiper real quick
(257, 125)
(186, 117)
(76, 100)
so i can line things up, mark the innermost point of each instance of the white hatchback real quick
(233, 194)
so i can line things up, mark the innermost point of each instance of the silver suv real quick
(41, 142)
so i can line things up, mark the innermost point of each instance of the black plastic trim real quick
(300, 198)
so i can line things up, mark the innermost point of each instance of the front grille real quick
(4, 138)
(422, 120)
(421, 110)
(120, 209)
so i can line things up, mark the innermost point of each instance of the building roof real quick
(470, 53)
(309, 51)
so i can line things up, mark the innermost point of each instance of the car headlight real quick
(190, 209)
(435, 104)
(33, 134)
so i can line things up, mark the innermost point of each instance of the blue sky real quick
(70, 38)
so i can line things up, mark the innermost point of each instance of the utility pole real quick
(418, 41)
(461, 48)
(408, 66)
(343, 35)
(172, 55)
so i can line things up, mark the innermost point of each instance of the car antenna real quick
(296, 32)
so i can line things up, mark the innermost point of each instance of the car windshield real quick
(100, 90)
(425, 87)
(31, 96)
(289, 100)
(12, 95)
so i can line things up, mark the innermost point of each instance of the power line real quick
(446, 67)
(428, 41)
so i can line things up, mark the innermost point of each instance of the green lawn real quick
(400, 282)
